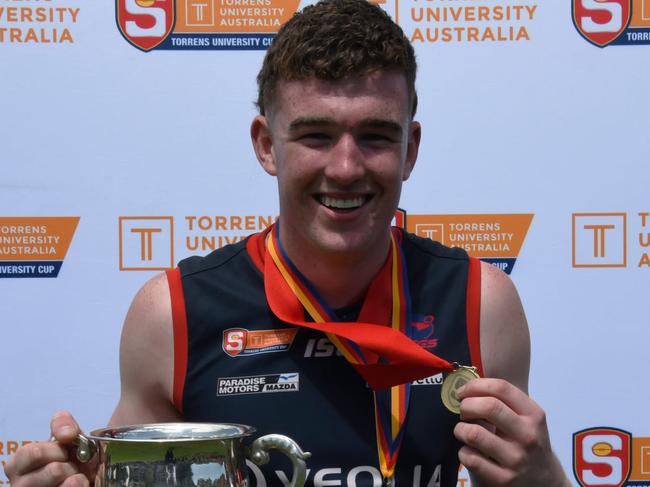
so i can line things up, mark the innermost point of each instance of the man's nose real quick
(346, 162)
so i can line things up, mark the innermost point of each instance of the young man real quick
(336, 129)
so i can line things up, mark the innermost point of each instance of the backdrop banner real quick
(126, 148)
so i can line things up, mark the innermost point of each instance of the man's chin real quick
(352, 244)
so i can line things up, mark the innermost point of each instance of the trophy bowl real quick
(182, 455)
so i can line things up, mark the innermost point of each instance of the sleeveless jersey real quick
(236, 362)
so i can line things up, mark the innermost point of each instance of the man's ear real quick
(262, 140)
(412, 147)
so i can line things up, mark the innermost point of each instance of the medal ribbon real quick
(383, 355)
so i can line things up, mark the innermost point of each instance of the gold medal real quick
(460, 376)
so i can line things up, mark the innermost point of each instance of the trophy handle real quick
(260, 455)
(86, 448)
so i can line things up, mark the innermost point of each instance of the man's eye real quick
(375, 137)
(315, 136)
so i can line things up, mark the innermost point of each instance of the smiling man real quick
(340, 151)
(331, 304)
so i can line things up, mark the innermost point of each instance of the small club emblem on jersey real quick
(423, 328)
(242, 342)
(234, 341)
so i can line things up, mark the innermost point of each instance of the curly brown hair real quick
(332, 40)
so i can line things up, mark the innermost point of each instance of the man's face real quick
(340, 151)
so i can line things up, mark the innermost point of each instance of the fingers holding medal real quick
(456, 379)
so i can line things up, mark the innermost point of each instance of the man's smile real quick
(343, 203)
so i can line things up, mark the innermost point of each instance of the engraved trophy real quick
(182, 455)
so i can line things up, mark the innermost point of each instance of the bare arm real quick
(505, 341)
(146, 363)
(146, 358)
(504, 431)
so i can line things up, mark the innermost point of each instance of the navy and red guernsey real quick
(236, 362)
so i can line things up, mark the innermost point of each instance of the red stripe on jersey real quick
(179, 320)
(473, 302)
(256, 248)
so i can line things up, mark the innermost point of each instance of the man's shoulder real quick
(420, 246)
(227, 254)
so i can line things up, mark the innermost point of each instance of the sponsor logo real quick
(422, 329)
(493, 238)
(38, 24)
(419, 476)
(611, 239)
(602, 456)
(434, 380)
(204, 233)
(146, 243)
(258, 384)
(34, 246)
(145, 23)
(320, 348)
(202, 24)
(236, 25)
(640, 474)
(612, 22)
(599, 240)
(476, 22)
(242, 342)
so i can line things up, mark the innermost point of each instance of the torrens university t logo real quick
(34, 246)
(146, 243)
(612, 22)
(611, 239)
(202, 24)
(149, 242)
(493, 238)
(602, 457)
(599, 240)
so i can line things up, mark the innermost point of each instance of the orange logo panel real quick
(232, 16)
(640, 459)
(482, 236)
(36, 238)
(640, 13)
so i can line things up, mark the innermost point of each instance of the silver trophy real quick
(182, 455)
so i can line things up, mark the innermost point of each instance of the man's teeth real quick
(341, 203)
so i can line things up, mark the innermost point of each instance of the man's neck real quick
(341, 279)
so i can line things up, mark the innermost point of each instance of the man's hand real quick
(506, 438)
(50, 463)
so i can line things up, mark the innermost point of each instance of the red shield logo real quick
(145, 23)
(601, 21)
(234, 341)
(602, 457)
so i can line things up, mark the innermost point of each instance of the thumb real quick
(64, 427)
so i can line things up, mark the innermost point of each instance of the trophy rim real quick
(171, 432)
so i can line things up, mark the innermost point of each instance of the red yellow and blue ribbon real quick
(377, 345)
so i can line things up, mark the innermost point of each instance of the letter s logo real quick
(602, 457)
(596, 450)
(145, 23)
(157, 14)
(234, 341)
(601, 21)
(614, 23)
